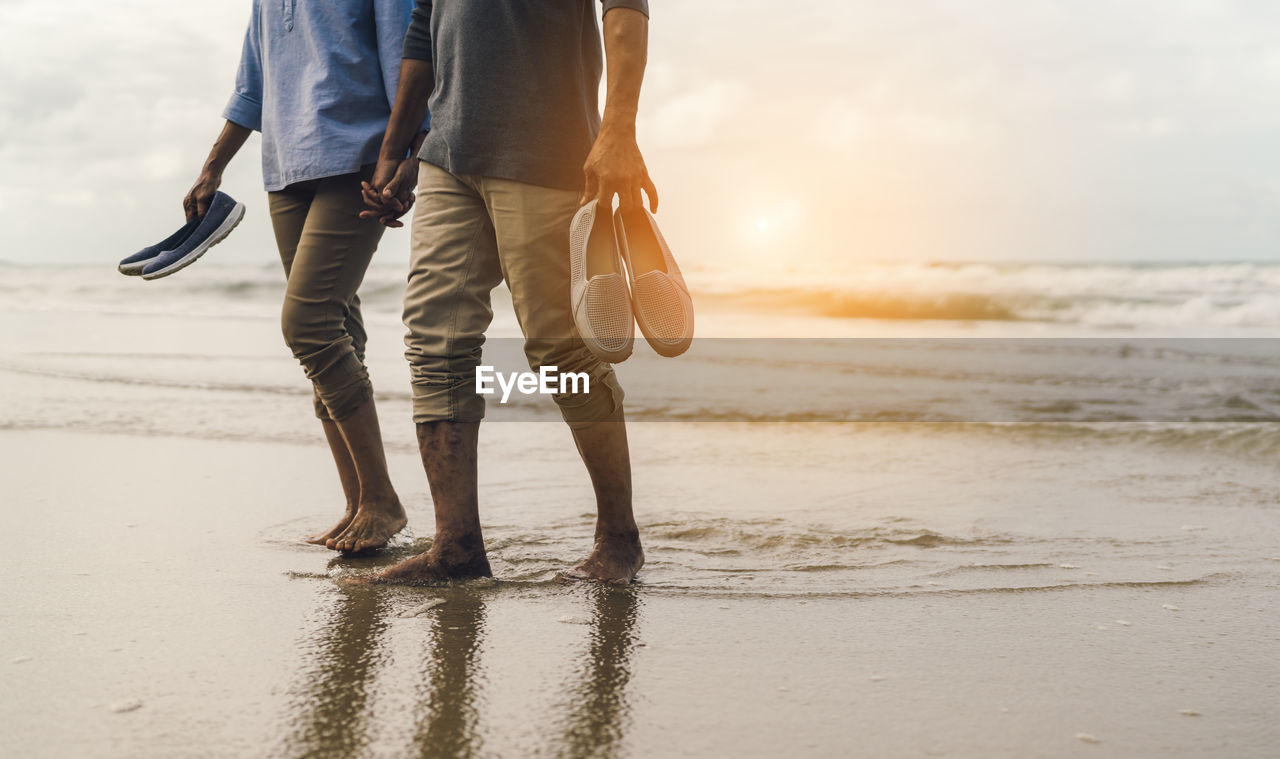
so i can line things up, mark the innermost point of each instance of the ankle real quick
(379, 499)
(466, 537)
(459, 549)
(621, 533)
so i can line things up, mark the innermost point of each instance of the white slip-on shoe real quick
(659, 296)
(598, 286)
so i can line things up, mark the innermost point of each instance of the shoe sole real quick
(219, 234)
(134, 270)
(666, 350)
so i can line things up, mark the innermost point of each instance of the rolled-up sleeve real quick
(635, 5)
(245, 106)
(417, 42)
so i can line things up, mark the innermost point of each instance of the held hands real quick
(196, 203)
(616, 167)
(390, 193)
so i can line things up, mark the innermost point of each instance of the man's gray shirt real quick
(516, 85)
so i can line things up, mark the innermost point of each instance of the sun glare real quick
(772, 224)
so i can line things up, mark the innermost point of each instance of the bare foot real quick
(449, 558)
(615, 559)
(323, 538)
(371, 528)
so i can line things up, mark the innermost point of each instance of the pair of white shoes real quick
(622, 273)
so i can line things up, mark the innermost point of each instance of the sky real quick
(812, 134)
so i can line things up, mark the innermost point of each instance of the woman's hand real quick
(390, 193)
(229, 142)
(198, 198)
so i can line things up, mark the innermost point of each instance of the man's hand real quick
(390, 193)
(616, 167)
(196, 203)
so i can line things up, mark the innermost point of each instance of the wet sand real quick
(157, 604)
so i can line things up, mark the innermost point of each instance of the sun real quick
(770, 224)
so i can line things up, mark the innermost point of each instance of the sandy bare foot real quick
(615, 560)
(323, 538)
(371, 528)
(449, 558)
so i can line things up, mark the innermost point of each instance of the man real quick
(516, 146)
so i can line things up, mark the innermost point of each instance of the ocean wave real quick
(1106, 296)
(865, 305)
(1224, 295)
(1253, 440)
(1259, 310)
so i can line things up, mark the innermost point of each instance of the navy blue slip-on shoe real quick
(223, 215)
(133, 265)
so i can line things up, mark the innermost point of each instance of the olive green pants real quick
(326, 248)
(470, 233)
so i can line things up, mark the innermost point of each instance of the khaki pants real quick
(326, 248)
(470, 233)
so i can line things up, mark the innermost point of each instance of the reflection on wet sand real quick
(596, 709)
(329, 708)
(331, 711)
(450, 702)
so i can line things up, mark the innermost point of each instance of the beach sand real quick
(158, 604)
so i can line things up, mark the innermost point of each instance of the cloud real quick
(107, 107)
(694, 117)
(840, 124)
(937, 128)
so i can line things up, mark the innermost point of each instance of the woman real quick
(317, 79)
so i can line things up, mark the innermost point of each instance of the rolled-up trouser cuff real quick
(446, 397)
(354, 386)
(452, 397)
(342, 386)
(345, 406)
(601, 403)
